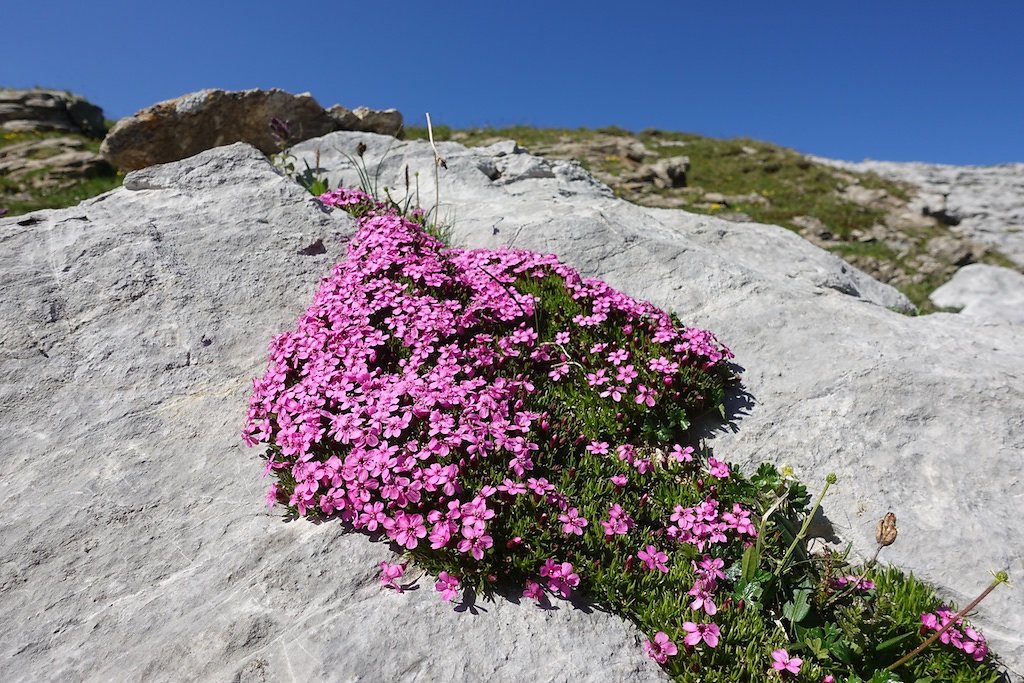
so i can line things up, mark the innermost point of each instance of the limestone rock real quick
(987, 292)
(918, 415)
(387, 122)
(813, 229)
(663, 173)
(51, 161)
(49, 110)
(984, 203)
(179, 128)
(133, 325)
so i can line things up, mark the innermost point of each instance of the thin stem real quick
(439, 162)
(829, 480)
(999, 578)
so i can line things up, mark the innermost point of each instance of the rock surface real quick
(983, 203)
(135, 542)
(49, 162)
(48, 110)
(987, 292)
(914, 247)
(184, 126)
(922, 416)
(132, 327)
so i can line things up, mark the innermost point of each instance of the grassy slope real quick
(793, 185)
(50, 198)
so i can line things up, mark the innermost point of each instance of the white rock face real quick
(135, 542)
(922, 416)
(987, 200)
(985, 292)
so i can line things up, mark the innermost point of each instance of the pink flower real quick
(616, 393)
(645, 395)
(619, 480)
(660, 648)
(562, 337)
(846, 581)
(512, 488)
(680, 454)
(709, 568)
(626, 374)
(447, 586)
(533, 590)
(474, 542)
(717, 468)
(618, 522)
(539, 486)
(618, 357)
(828, 679)
(559, 371)
(390, 572)
(626, 452)
(406, 530)
(695, 633)
(701, 593)
(654, 559)
(598, 448)
(572, 523)
(561, 578)
(783, 662)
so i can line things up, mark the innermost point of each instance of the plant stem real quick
(1000, 577)
(829, 480)
(439, 162)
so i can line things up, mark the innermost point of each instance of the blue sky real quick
(940, 81)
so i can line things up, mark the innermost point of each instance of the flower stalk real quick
(998, 578)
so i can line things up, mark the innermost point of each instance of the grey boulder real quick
(990, 293)
(135, 542)
(49, 110)
(923, 416)
(983, 203)
(186, 125)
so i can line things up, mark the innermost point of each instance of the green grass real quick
(793, 185)
(59, 197)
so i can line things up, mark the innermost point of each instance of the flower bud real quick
(886, 533)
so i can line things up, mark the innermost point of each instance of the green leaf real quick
(796, 609)
(886, 644)
(750, 562)
(841, 651)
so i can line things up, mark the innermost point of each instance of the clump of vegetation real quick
(516, 429)
(36, 190)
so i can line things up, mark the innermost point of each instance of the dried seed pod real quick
(361, 149)
(886, 533)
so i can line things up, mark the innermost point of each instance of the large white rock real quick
(985, 292)
(923, 416)
(135, 543)
(987, 201)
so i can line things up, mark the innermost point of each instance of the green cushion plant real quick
(517, 430)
